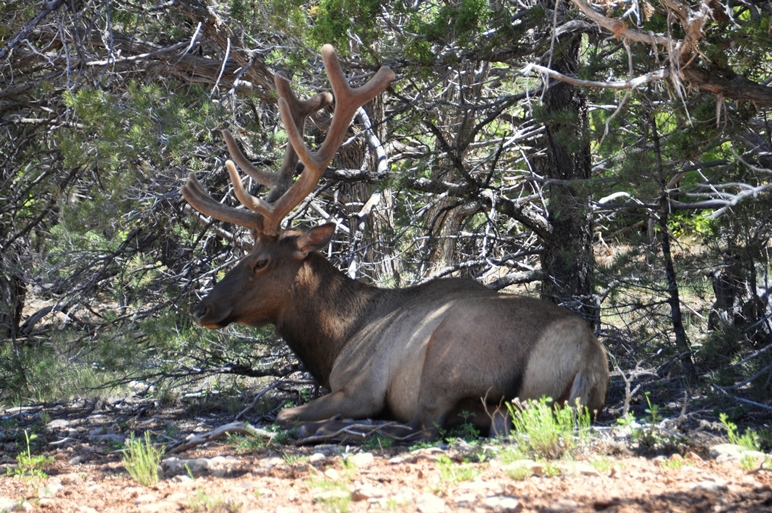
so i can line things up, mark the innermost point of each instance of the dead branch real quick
(684, 53)
(22, 34)
(234, 427)
(350, 430)
(632, 83)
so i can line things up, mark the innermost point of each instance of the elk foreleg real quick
(341, 403)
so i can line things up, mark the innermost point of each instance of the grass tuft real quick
(549, 431)
(142, 459)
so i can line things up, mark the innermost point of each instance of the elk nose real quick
(202, 310)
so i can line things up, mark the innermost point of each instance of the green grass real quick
(519, 472)
(452, 473)
(749, 439)
(547, 431)
(30, 466)
(142, 459)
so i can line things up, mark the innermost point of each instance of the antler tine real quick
(199, 199)
(280, 181)
(262, 177)
(347, 101)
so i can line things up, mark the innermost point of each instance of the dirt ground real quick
(88, 474)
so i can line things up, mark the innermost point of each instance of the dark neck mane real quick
(327, 309)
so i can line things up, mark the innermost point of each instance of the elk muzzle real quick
(208, 315)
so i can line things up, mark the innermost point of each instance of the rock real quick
(366, 492)
(109, 437)
(86, 509)
(146, 498)
(362, 460)
(428, 503)
(219, 464)
(317, 457)
(7, 504)
(466, 498)
(76, 460)
(732, 452)
(58, 424)
(503, 503)
(481, 487)
(563, 505)
(334, 493)
(710, 486)
(271, 462)
(331, 473)
(50, 489)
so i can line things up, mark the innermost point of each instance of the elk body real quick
(419, 355)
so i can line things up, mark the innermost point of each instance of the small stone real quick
(271, 462)
(58, 424)
(331, 473)
(563, 505)
(481, 487)
(109, 437)
(466, 498)
(503, 503)
(7, 504)
(317, 457)
(144, 499)
(428, 503)
(85, 509)
(732, 452)
(709, 486)
(366, 492)
(50, 489)
(76, 460)
(362, 460)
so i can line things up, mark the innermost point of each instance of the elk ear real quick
(315, 238)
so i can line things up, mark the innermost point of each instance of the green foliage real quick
(549, 431)
(29, 466)
(452, 473)
(334, 19)
(378, 441)
(465, 431)
(749, 439)
(246, 444)
(142, 459)
(519, 472)
(450, 23)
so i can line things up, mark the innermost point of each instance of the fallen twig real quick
(234, 427)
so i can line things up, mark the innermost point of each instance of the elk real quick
(421, 355)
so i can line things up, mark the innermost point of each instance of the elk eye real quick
(261, 263)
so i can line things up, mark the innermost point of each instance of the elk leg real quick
(336, 403)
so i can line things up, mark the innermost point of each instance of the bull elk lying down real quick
(420, 355)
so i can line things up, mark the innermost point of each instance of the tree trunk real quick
(674, 299)
(567, 261)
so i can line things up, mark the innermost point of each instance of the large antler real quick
(266, 215)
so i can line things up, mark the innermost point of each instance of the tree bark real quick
(567, 260)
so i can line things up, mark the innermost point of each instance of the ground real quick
(88, 474)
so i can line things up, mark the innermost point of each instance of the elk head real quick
(256, 290)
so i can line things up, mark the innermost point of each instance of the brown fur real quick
(419, 355)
